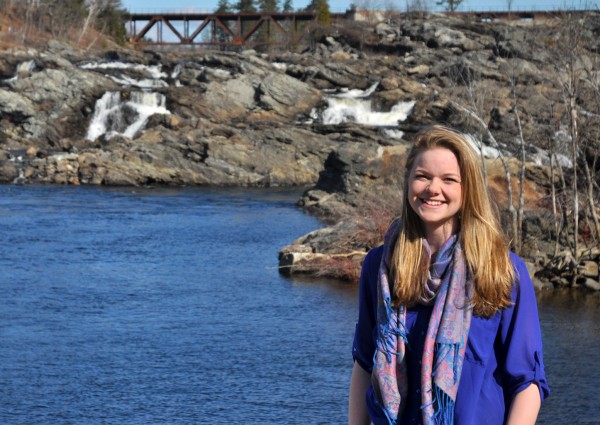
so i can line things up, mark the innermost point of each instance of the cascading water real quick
(359, 111)
(114, 117)
(355, 106)
(146, 105)
(24, 68)
(175, 74)
(154, 72)
(534, 154)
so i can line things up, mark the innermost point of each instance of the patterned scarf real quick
(450, 289)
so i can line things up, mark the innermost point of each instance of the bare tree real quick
(518, 226)
(449, 5)
(418, 6)
(474, 104)
(93, 9)
(568, 47)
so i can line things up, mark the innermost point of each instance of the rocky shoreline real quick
(337, 117)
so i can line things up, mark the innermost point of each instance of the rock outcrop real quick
(338, 117)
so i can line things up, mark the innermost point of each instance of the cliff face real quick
(338, 117)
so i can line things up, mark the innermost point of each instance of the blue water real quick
(164, 306)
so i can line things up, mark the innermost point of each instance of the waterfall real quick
(355, 106)
(154, 72)
(24, 68)
(176, 71)
(356, 93)
(146, 105)
(340, 110)
(114, 117)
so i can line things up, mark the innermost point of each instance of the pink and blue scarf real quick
(450, 289)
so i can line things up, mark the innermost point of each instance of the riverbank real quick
(338, 116)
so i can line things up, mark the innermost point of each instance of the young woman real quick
(448, 330)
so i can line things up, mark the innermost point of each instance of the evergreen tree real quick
(245, 6)
(323, 12)
(223, 7)
(111, 20)
(268, 5)
(287, 6)
(321, 8)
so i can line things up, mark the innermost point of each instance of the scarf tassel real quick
(444, 414)
(389, 332)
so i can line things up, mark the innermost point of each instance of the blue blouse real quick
(503, 355)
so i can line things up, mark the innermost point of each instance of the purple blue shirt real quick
(503, 354)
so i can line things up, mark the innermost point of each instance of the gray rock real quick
(16, 107)
(592, 284)
(589, 269)
(446, 37)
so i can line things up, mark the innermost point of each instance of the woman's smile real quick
(435, 190)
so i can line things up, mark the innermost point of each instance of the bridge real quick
(219, 29)
(277, 28)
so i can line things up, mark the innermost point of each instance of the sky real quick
(341, 5)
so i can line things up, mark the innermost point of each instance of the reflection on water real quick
(570, 321)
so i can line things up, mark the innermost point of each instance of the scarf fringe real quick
(390, 331)
(444, 414)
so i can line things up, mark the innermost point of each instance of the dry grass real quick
(14, 33)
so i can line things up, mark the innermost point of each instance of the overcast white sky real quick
(342, 5)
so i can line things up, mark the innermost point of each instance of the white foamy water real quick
(110, 114)
(23, 68)
(393, 134)
(26, 67)
(341, 110)
(535, 155)
(354, 105)
(176, 71)
(541, 157)
(482, 149)
(155, 72)
(145, 83)
(356, 93)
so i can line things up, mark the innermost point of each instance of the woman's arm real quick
(524, 378)
(525, 407)
(357, 407)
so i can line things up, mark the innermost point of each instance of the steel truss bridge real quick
(219, 29)
(252, 29)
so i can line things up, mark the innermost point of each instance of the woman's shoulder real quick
(370, 265)
(516, 260)
(523, 286)
(521, 271)
(373, 258)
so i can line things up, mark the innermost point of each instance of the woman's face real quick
(434, 189)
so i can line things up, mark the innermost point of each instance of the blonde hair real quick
(484, 245)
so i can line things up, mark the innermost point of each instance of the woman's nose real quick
(434, 186)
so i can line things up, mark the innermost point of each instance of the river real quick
(161, 306)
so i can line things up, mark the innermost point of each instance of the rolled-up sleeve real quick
(363, 346)
(521, 338)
